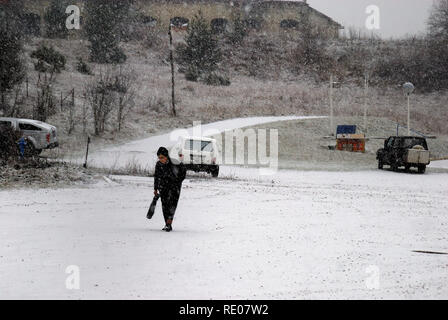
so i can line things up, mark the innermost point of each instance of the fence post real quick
(87, 152)
(71, 114)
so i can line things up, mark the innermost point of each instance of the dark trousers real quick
(169, 198)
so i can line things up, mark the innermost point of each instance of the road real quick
(294, 235)
(142, 153)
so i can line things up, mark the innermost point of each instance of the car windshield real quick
(198, 145)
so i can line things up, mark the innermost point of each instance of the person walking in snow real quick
(22, 145)
(168, 180)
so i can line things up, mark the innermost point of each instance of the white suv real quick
(40, 135)
(197, 154)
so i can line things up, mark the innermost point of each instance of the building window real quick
(179, 23)
(289, 24)
(219, 25)
(252, 24)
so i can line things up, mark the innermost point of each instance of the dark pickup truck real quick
(406, 151)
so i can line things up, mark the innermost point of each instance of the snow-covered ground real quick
(443, 164)
(293, 235)
(143, 152)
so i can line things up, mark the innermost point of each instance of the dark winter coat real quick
(168, 176)
(168, 181)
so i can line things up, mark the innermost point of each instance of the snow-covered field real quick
(443, 164)
(289, 236)
(143, 152)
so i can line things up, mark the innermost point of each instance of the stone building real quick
(261, 15)
(258, 15)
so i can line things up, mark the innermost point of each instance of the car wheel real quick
(215, 172)
(422, 169)
(380, 164)
(407, 168)
(30, 150)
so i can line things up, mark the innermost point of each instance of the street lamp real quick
(332, 85)
(408, 89)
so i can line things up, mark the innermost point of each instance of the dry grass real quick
(132, 168)
(38, 172)
(282, 93)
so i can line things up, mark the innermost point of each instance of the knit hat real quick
(163, 151)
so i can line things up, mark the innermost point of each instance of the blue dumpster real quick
(346, 129)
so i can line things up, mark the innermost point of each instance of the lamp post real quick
(332, 84)
(408, 89)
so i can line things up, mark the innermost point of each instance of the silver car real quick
(40, 135)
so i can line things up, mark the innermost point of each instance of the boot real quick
(168, 226)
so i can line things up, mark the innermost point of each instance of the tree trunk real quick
(120, 113)
(2, 104)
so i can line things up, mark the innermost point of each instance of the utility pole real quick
(408, 89)
(409, 115)
(173, 103)
(366, 90)
(331, 105)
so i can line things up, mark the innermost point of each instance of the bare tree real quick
(12, 109)
(8, 142)
(45, 103)
(438, 20)
(12, 67)
(125, 92)
(438, 42)
(71, 113)
(113, 90)
(100, 96)
(84, 114)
